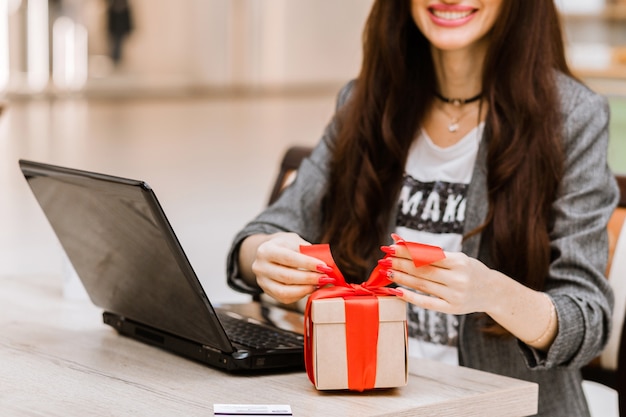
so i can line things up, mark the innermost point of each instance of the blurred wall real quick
(248, 42)
(241, 43)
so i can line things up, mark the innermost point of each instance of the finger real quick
(403, 252)
(284, 257)
(286, 275)
(284, 293)
(424, 301)
(426, 272)
(419, 284)
(292, 257)
(396, 251)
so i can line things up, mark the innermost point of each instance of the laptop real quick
(125, 252)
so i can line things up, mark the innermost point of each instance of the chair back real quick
(288, 169)
(610, 367)
(616, 273)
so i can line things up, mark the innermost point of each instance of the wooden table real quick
(58, 359)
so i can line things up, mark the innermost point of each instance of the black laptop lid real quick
(124, 250)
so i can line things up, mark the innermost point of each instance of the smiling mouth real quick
(451, 15)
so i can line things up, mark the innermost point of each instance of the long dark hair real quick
(389, 100)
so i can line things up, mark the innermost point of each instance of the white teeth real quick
(451, 15)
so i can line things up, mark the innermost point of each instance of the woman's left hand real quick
(456, 284)
(459, 284)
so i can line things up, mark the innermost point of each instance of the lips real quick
(451, 15)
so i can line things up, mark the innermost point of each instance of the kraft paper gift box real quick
(331, 359)
(356, 334)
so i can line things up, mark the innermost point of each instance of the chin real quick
(451, 45)
(457, 42)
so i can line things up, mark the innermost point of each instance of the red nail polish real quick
(385, 263)
(396, 291)
(389, 250)
(325, 280)
(397, 238)
(323, 269)
(387, 272)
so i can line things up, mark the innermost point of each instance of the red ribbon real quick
(361, 309)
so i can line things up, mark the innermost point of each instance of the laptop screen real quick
(124, 250)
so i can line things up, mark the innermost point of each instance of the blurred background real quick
(177, 47)
(200, 98)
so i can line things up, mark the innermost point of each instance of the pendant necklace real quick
(453, 125)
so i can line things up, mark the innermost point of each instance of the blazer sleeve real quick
(298, 208)
(579, 243)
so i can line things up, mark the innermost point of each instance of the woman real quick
(465, 129)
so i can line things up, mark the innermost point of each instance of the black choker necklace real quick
(453, 124)
(458, 101)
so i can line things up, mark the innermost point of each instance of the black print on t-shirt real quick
(432, 326)
(435, 207)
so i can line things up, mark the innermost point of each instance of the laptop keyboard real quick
(258, 336)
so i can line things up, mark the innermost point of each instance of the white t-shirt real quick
(431, 210)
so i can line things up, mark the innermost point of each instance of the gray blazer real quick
(581, 294)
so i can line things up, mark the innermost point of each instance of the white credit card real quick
(249, 410)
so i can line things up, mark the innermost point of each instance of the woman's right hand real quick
(280, 269)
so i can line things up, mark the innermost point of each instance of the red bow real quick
(361, 308)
